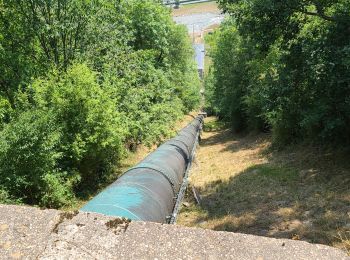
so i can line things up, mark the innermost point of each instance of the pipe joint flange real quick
(168, 176)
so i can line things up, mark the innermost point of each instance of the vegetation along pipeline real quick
(148, 191)
(83, 85)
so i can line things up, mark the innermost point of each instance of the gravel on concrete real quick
(31, 233)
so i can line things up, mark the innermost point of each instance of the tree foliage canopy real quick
(285, 66)
(81, 82)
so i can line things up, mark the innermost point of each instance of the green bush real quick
(92, 133)
(5, 197)
(58, 190)
(29, 150)
(146, 99)
(71, 138)
(285, 67)
(230, 77)
(78, 85)
(5, 111)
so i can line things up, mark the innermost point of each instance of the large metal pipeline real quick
(149, 190)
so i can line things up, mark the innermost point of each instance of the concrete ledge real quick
(30, 233)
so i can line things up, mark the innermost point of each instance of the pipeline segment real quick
(148, 191)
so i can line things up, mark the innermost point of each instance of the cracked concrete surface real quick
(31, 233)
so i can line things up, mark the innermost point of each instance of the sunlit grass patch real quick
(344, 240)
(214, 125)
(297, 193)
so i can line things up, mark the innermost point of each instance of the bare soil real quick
(300, 193)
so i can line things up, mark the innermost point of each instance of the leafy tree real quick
(71, 135)
(293, 58)
(58, 26)
(92, 133)
(80, 81)
(17, 46)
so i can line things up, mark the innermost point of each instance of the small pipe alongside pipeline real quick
(148, 191)
(184, 185)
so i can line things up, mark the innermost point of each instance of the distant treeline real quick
(82, 82)
(283, 66)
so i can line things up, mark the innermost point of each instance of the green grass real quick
(299, 192)
(215, 125)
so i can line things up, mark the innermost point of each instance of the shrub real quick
(92, 134)
(5, 111)
(280, 67)
(5, 197)
(57, 190)
(29, 150)
(85, 80)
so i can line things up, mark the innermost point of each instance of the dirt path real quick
(302, 193)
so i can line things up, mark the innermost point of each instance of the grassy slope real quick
(299, 193)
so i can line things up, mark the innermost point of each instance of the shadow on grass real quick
(234, 141)
(299, 193)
